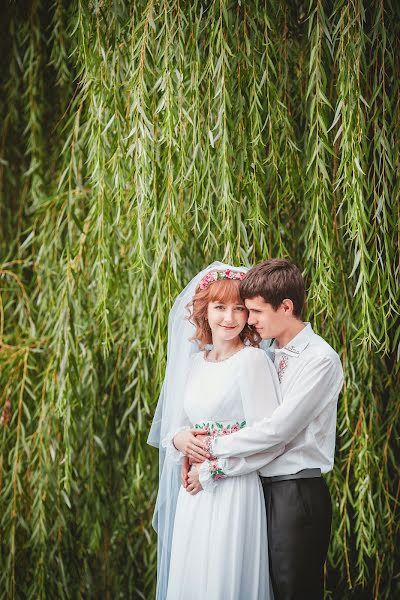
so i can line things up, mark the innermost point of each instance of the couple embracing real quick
(245, 434)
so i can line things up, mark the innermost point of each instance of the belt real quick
(304, 474)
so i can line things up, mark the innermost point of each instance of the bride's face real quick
(226, 321)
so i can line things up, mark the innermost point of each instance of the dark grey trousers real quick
(299, 515)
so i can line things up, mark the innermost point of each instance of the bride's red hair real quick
(225, 291)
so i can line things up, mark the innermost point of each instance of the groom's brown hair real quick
(275, 280)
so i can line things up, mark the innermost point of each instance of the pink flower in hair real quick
(207, 279)
(219, 275)
(235, 427)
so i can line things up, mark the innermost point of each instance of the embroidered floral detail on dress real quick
(215, 429)
(215, 470)
(283, 363)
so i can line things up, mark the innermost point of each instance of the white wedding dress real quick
(219, 546)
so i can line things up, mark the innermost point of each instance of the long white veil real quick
(168, 418)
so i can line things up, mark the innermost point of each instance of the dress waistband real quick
(303, 474)
(215, 428)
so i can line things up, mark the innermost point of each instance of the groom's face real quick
(267, 321)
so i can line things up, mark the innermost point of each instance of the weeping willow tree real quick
(139, 141)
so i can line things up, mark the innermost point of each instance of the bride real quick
(214, 544)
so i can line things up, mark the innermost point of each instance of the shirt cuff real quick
(210, 442)
(167, 443)
(210, 471)
(214, 446)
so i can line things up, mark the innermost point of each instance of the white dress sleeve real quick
(168, 444)
(260, 391)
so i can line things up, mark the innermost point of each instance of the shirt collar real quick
(296, 346)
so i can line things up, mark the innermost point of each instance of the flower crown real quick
(219, 275)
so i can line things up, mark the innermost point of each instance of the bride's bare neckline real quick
(210, 360)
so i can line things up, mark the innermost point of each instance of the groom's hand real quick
(190, 445)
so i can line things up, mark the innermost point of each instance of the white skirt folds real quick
(219, 547)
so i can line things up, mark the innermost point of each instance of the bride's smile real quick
(226, 321)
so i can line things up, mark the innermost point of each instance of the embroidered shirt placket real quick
(282, 365)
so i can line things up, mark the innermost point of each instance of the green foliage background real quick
(138, 142)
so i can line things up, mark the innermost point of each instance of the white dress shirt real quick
(311, 377)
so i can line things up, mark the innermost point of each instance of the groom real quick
(297, 499)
